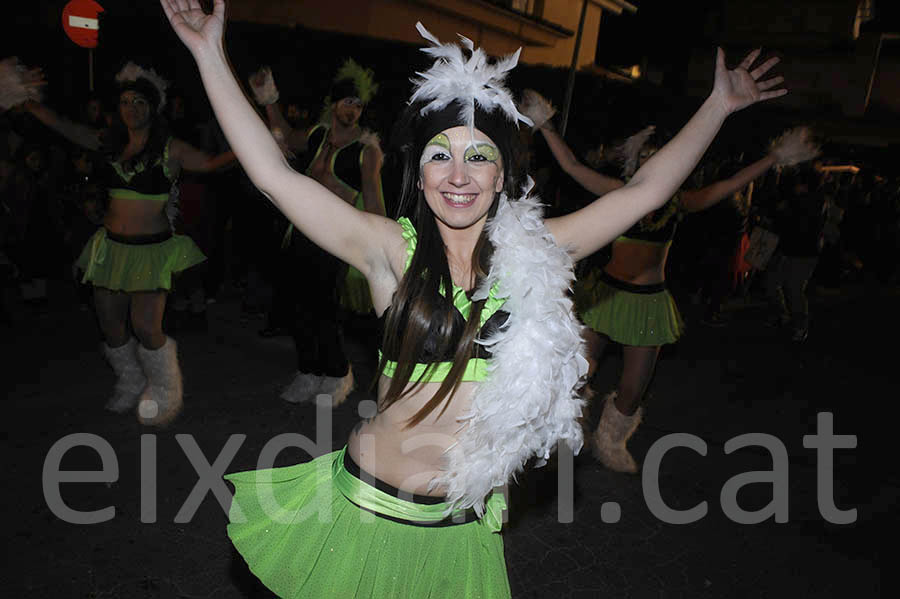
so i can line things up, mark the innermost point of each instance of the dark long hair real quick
(422, 305)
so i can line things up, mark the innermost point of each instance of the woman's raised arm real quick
(792, 147)
(82, 135)
(587, 230)
(539, 110)
(358, 238)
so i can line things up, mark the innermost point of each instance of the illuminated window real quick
(865, 12)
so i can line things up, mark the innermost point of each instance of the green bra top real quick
(435, 368)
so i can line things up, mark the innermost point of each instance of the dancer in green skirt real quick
(482, 357)
(131, 259)
(627, 302)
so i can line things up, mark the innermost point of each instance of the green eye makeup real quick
(439, 140)
(489, 152)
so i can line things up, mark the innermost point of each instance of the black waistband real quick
(139, 239)
(354, 469)
(631, 287)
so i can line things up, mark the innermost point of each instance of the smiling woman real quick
(410, 507)
(460, 177)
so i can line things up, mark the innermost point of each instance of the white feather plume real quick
(263, 86)
(529, 400)
(18, 83)
(469, 81)
(370, 138)
(630, 151)
(536, 107)
(132, 72)
(794, 146)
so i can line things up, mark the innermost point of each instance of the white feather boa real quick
(529, 400)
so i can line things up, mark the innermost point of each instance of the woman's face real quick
(134, 110)
(348, 110)
(646, 153)
(458, 178)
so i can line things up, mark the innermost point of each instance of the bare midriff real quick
(136, 217)
(409, 458)
(638, 262)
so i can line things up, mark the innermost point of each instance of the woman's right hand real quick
(199, 31)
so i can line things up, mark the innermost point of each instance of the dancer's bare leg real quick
(621, 411)
(147, 308)
(112, 314)
(637, 372)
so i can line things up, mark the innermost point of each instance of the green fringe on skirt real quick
(302, 537)
(127, 267)
(626, 317)
(354, 292)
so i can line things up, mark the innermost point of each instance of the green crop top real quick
(492, 317)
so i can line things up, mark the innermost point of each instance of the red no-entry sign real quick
(81, 22)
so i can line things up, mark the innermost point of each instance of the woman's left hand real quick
(196, 29)
(741, 87)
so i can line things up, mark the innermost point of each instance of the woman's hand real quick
(537, 108)
(741, 87)
(198, 30)
(19, 84)
(263, 86)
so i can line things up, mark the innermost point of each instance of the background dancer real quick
(347, 160)
(440, 279)
(131, 259)
(800, 216)
(627, 300)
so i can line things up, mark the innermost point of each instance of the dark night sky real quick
(662, 31)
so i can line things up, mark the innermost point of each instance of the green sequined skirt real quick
(136, 264)
(317, 530)
(637, 315)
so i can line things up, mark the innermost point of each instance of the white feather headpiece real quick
(468, 81)
(133, 72)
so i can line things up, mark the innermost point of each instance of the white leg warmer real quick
(161, 400)
(337, 387)
(612, 433)
(130, 378)
(302, 388)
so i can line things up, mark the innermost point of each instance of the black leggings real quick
(306, 302)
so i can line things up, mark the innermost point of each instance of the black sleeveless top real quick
(151, 181)
(659, 226)
(346, 161)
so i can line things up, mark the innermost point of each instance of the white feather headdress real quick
(133, 72)
(468, 81)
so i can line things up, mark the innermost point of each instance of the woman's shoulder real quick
(410, 238)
